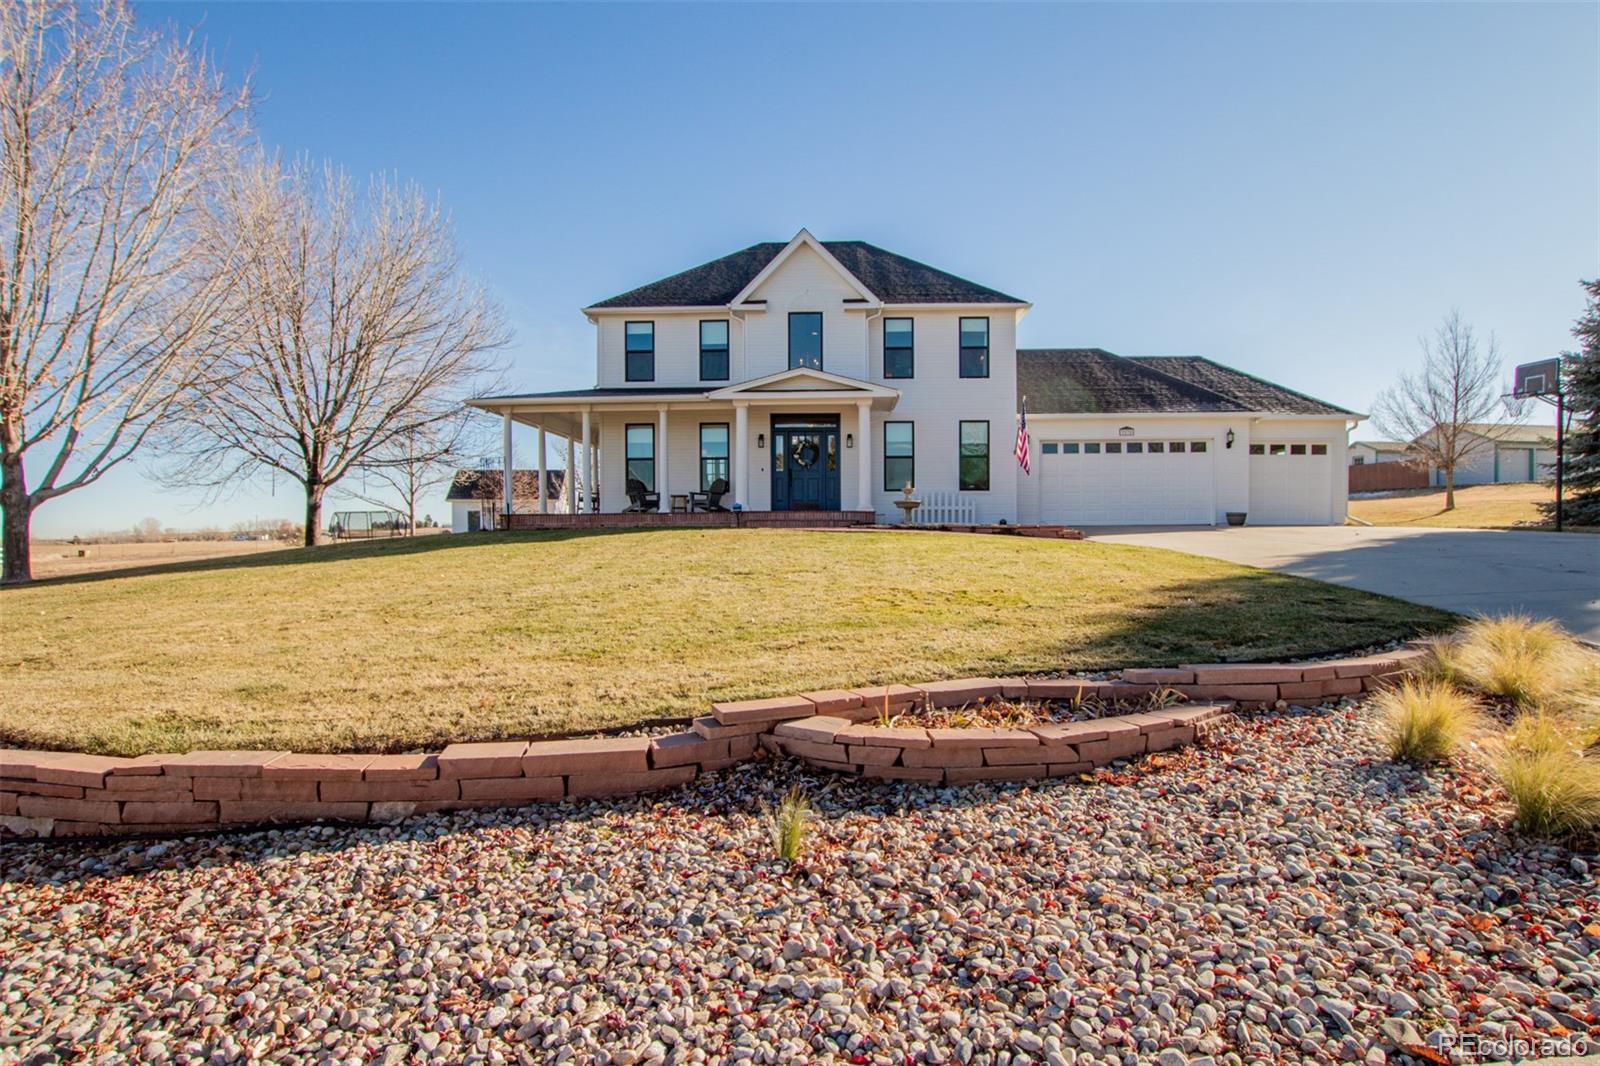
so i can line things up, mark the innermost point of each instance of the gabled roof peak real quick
(886, 276)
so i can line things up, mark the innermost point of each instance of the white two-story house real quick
(812, 381)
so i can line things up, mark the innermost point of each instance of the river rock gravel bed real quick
(1279, 893)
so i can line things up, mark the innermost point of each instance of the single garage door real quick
(1126, 483)
(1291, 484)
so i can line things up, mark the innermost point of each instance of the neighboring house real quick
(475, 496)
(1498, 454)
(824, 376)
(1368, 452)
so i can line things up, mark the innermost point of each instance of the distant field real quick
(1477, 507)
(393, 645)
(54, 558)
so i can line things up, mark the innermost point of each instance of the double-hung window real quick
(714, 350)
(642, 455)
(713, 453)
(805, 339)
(974, 347)
(974, 456)
(639, 351)
(899, 455)
(899, 357)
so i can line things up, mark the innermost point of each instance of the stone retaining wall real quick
(66, 794)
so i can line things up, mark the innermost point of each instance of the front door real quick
(805, 464)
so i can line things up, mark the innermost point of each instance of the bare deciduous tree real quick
(355, 329)
(113, 138)
(1440, 410)
(415, 462)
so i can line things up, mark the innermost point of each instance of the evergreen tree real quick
(1580, 374)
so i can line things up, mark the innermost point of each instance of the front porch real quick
(795, 449)
(690, 520)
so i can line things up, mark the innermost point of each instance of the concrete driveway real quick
(1470, 571)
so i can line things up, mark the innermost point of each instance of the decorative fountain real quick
(907, 503)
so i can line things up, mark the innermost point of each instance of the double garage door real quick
(1170, 482)
(1291, 484)
(1121, 482)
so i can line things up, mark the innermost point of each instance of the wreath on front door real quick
(806, 453)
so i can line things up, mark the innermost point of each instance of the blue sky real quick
(1296, 190)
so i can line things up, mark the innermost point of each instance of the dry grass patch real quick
(1553, 786)
(1528, 664)
(401, 645)
(1477, 507)
(1426, 720)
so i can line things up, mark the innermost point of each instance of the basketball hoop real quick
(1542, 381)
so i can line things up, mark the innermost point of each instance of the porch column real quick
(741, 457)
(569, 480)
(863, 455)
(544, 489)
(588, 472)
(662, 489)
(508, 468)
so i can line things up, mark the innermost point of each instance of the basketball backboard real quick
(1537, 379)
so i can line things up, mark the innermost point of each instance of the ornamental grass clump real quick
(1425, 721)
(1526, 663)
(1553, 786)
(788, 824)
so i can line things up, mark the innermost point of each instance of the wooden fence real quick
(1382, 477)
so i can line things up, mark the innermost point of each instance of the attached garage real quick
(1124, 482)
(1174, 441)
(1289, 483)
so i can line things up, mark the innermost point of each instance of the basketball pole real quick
(1561, 449)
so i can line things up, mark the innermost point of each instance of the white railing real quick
(945, 508)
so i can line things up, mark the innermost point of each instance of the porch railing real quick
(946, 508)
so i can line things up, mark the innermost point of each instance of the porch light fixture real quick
(761, 440)
(1229, 438)
(849, 440)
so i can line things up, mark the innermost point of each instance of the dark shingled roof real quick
(485, 484)
(892, 278)
(1092, 380)
(1256, 394)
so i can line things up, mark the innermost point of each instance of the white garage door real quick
(1291, 484)
(1125, 483)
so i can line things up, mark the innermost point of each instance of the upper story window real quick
(898, 348)
(714, 350)
(974, 347)
(805, 339)
(639, 351)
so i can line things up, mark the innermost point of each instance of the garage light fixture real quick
(1125, 431)
(1229, 438)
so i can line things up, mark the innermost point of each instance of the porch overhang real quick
(809, 386)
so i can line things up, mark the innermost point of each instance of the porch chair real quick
(711, 499)
(641, 498)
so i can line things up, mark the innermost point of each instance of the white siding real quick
(937, 399)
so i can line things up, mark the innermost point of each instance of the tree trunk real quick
(16, 513)
(1449, 488)
(314, 491)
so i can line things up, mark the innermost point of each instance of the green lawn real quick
(396, 645)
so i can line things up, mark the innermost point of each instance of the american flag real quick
(1022, 439)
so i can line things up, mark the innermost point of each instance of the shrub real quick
(787, 824)
(1425, 720)
(1443, 662)
(1530, 664)
(1555, 790)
